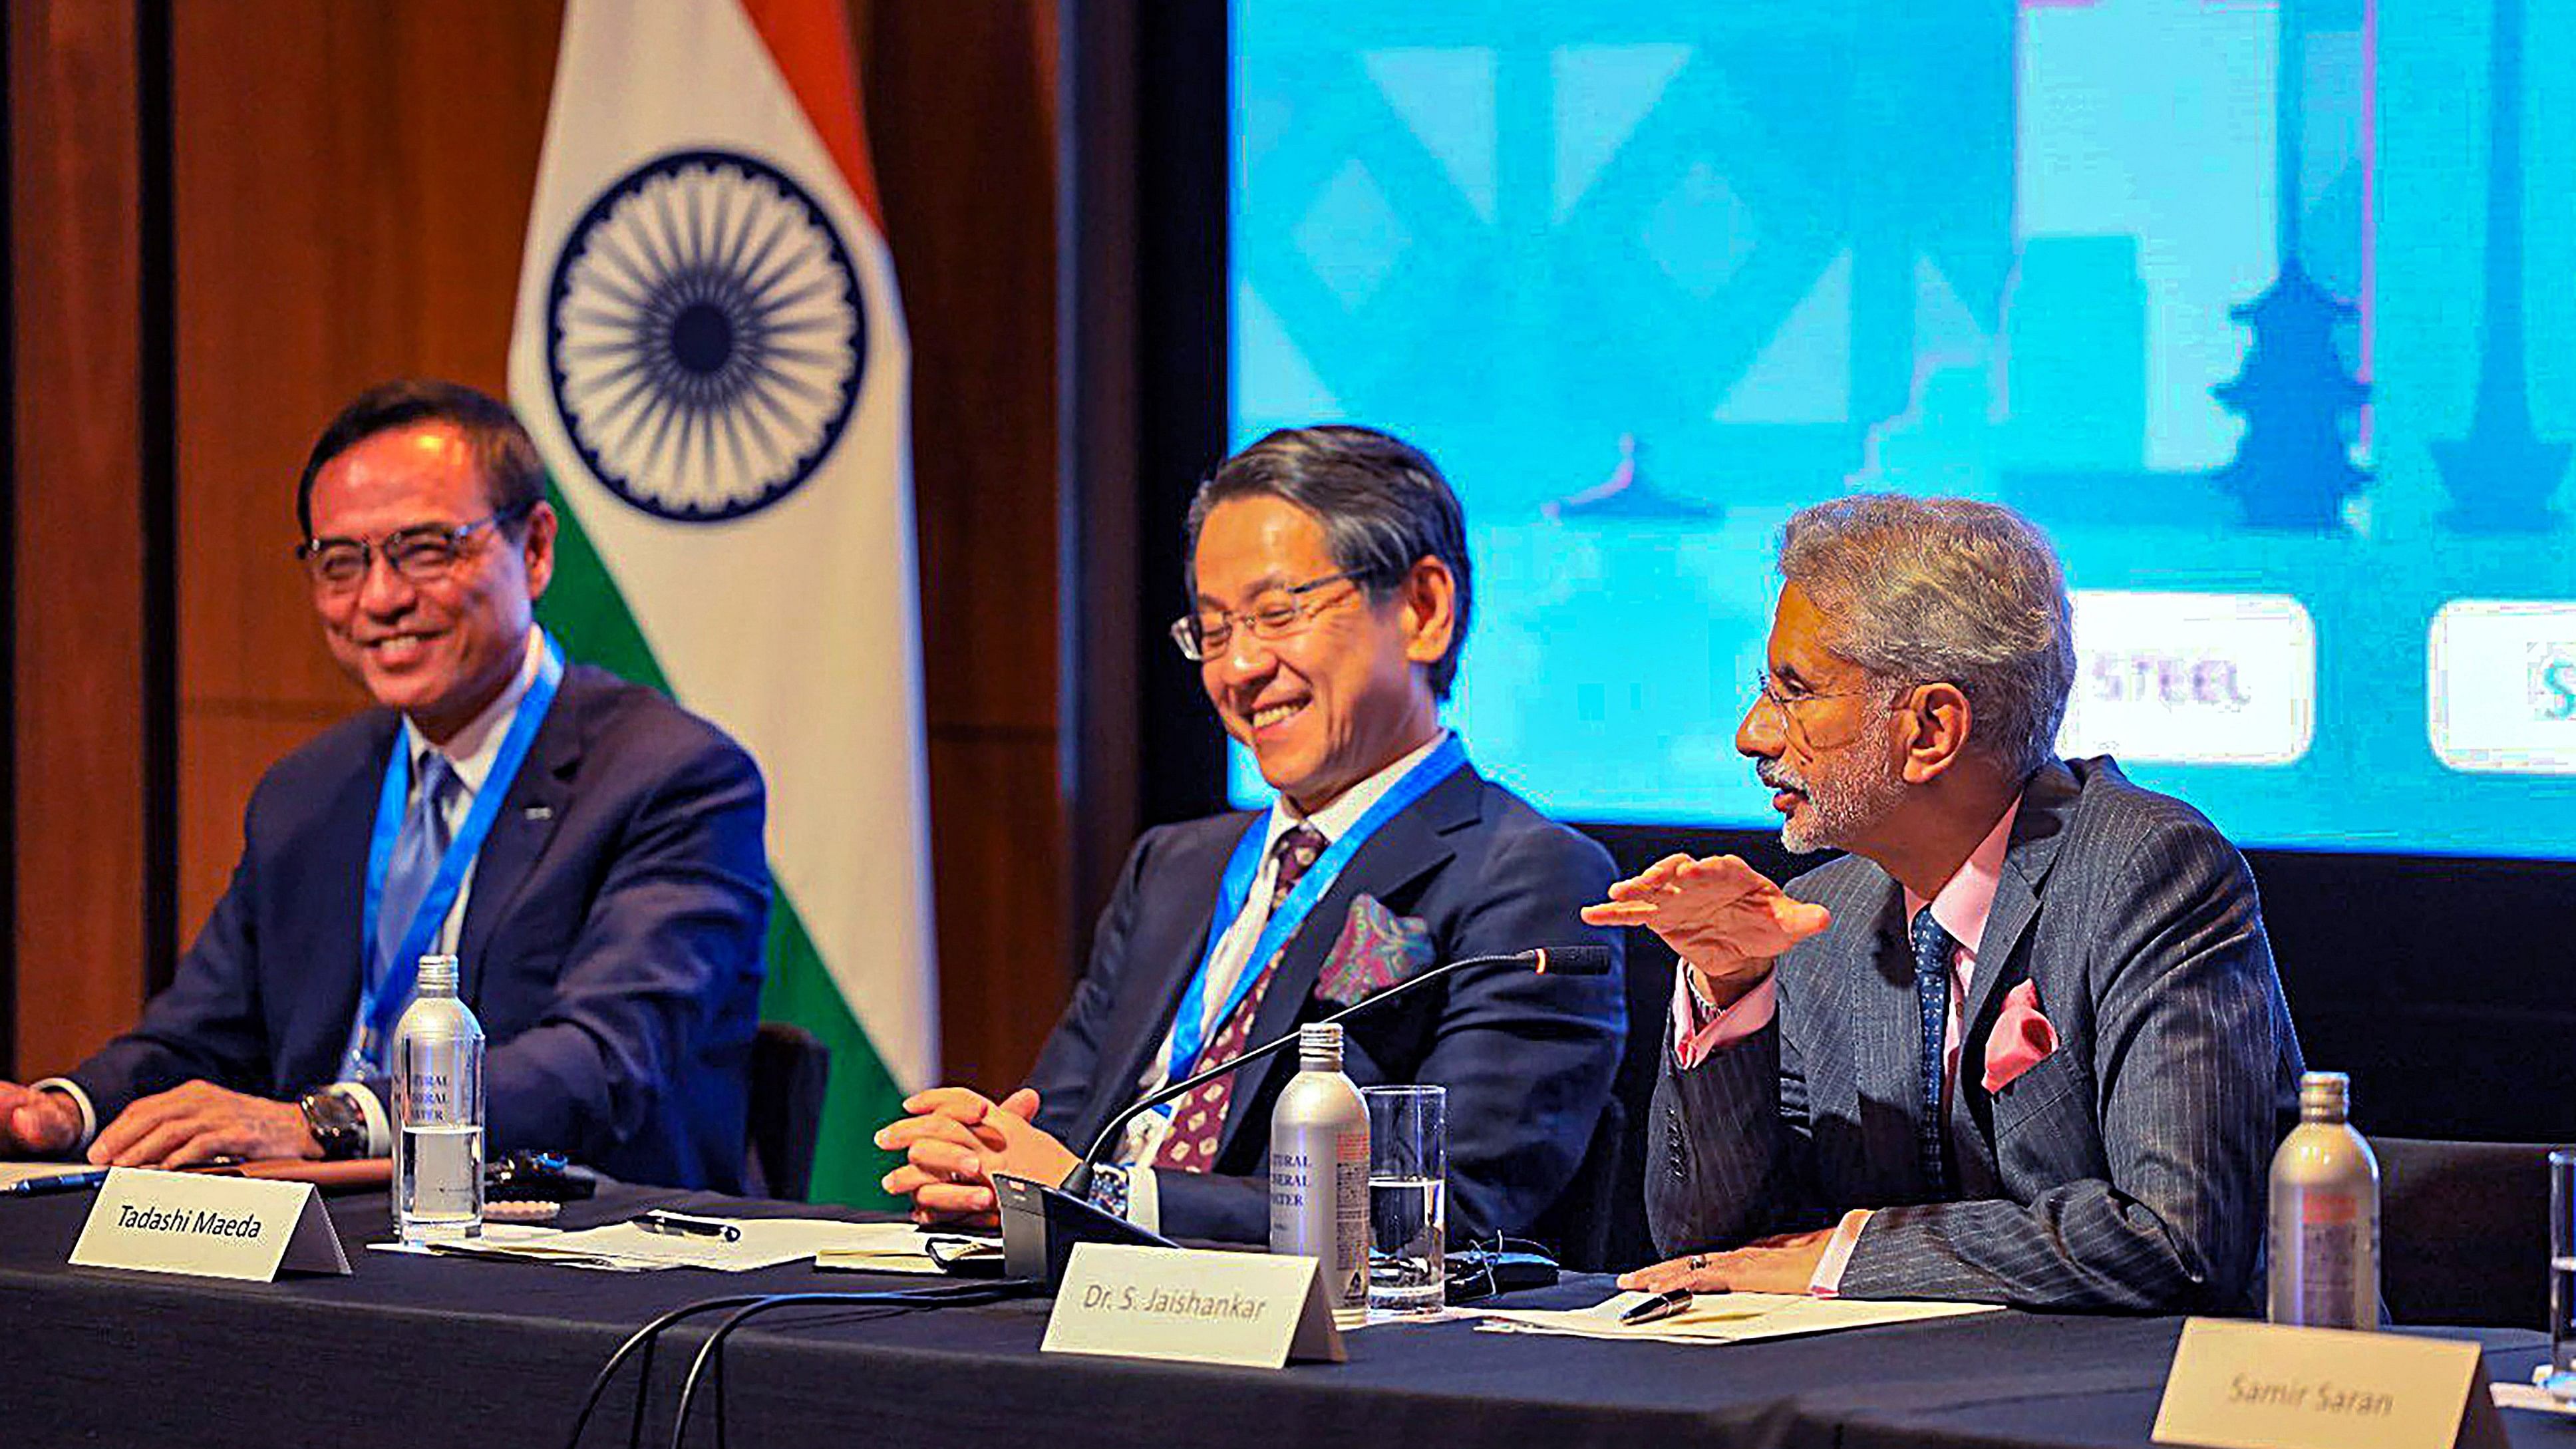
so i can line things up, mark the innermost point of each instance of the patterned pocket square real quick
(2022, 1040)
(1377, 948)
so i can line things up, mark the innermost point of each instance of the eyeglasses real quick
(422, 553)
(1273, 617)
(1766, 691)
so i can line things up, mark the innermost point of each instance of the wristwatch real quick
(336, 1123)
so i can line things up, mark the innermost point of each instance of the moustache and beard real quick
(1836, 807)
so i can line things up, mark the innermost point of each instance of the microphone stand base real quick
(1040, 1226)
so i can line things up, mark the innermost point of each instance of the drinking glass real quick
(1408, 1182)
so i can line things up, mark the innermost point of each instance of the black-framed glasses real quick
(1272, 617)
(422, 553)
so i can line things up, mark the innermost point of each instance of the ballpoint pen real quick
(62, 1182)
(661, 1220)
(1657, 1308)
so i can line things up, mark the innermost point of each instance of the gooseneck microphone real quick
(1547, 960)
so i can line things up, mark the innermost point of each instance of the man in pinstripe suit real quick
(2024, 1043)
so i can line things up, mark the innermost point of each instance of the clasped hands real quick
(955, 1140)
(189, 1124)
(1725, 919)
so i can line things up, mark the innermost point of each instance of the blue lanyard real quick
(1189, 1030)
(387, 996)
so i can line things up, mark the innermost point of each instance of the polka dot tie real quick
(1198, 1119)
(1933, 950)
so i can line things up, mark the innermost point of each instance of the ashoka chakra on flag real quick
(704, 336)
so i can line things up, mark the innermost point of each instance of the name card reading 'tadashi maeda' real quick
(1252, 1310)
(2263, 1386)
(208, 1227)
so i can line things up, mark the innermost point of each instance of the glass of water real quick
(2561, 1382)
(1408, 1186)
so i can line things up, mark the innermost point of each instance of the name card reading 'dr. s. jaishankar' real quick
(1189, 1305)
(208, 1227)
(2266, 1386)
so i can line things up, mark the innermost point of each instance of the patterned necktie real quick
(1933, 951)
(419, 847)
(1198, 1119)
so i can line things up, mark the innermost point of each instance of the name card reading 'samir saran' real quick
(2266, 1386)
(1189, 1305)
(208, 1227)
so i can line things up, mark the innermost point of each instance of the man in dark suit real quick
(2025, 1043)
(609, 914)
(1331, 593)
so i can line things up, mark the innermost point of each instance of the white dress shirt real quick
(1233, 958)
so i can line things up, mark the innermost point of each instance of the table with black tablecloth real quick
(410, 1350)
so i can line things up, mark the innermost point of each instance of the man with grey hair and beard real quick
(2024, 1043)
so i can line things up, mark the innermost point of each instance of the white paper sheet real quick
(1724, 1317)
(20, 1171)
(765, 1243)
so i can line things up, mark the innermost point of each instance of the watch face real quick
(335, 1123)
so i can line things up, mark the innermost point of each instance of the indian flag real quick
(710, 352)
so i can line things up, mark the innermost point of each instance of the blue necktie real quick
(419, 847)
(1933, 949)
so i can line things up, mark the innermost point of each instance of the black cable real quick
(960, 1295)
(642, 1337)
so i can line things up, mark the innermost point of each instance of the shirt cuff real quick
(380, 1134)
(80, 1099)
(1697, 1035)
(1144, 1200)
(1828, 1281)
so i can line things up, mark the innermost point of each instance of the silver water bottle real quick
(1319, 1168)
(2324, 1244)
(438, 1111)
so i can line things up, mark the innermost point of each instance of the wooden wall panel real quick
(961, 117)
(351, 182)
(78, 500)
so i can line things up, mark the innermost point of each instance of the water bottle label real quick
(1351, 1222)
(2329, 1269)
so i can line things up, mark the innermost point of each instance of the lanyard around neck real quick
(390, 989)
(1234, 891)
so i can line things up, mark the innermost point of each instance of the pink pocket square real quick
(2022, 1039)
(1377, 948)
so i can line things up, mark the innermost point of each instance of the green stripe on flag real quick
(586, 610)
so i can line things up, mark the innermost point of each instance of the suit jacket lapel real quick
(332, 959)
(1166, 953)
(530, 811)
(2037, 831)
(1403, 850)
(1887, 1050)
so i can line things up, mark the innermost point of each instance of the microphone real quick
(1546, 960)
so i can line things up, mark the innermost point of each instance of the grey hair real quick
(1382, 502)
(1945, 590)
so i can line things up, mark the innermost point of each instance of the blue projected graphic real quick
(2247, 304)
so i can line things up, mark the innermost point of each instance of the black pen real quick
(661, 1220)
(1657, 1308)
(64, 1182)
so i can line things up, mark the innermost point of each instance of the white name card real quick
(1252, 1310)
(2261, 1386)
(208, 1227)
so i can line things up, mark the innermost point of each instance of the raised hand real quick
(1721, 916)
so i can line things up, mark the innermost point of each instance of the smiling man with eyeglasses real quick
(589, 851)
(1329, 595)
